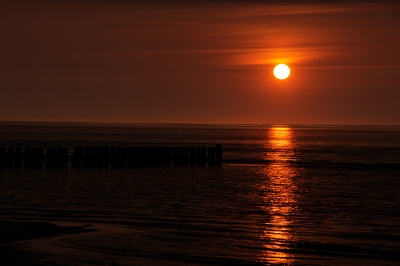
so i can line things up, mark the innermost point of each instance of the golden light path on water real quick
(278, 194)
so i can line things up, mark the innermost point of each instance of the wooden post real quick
(10, 157)
(211, 156)
(146, 156)
(64, 158)
(203, 156)
(27, 157)
(136, 156)
(139, 153)
(169, 156)
(218, 160)
(34, 157)
(153, 156)
(181, 156)
(86, 157)
(3, 153)
(48, 157)
(198, 156)
(53, 156)
(77, 157)
(192, 156)
(185, 156)
(176, 155)
(59, 156)
(93, 156)
(40, 157)
(106, 151)
(18, 157)
(129, 156)
(161, 156)
(118, 156)
(99, 157)
(123, 156)
(113, 156)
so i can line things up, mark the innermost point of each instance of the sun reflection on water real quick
(278, 195)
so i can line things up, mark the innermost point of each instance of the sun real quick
(281, 71)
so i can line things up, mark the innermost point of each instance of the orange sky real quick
(200, 61)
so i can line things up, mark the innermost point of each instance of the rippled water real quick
(289, 195)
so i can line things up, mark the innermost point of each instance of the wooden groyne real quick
(104, 157)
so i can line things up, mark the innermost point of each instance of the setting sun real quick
(281, 71)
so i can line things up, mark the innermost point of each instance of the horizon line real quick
(195, 124)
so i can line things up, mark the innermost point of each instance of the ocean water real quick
(285, 195)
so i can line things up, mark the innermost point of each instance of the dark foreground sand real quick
(14, 232)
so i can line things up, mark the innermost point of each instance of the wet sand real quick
(14, 234)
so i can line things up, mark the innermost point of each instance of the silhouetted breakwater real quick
(59, 157)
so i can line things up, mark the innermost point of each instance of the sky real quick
(200, 61)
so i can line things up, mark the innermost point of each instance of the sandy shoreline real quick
(13, 234)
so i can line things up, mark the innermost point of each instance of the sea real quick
(284, 195)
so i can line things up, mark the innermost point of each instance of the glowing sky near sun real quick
(200, 61)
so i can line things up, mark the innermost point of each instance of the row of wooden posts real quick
(32, 157)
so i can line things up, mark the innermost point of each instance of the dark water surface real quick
(285, 195)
